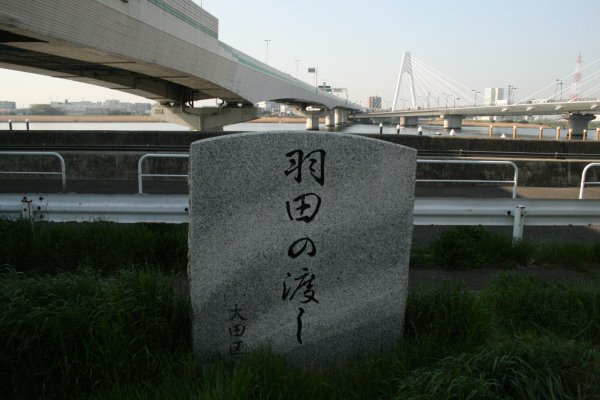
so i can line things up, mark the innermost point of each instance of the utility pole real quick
(267, 56)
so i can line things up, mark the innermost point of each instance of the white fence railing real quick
(140, 167)
(62, 173)
(583, 178)
(174, 209)
(513, 182)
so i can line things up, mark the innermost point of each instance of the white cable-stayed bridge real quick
(423, 91)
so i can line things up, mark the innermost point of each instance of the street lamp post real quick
(267, 55)
(315, 71)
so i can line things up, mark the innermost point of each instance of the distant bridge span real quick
(578, 113)
(164, 50)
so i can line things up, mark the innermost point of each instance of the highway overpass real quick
(165, 50)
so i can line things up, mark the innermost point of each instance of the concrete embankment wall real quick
(94, 164)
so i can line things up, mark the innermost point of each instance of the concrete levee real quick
(113, 156)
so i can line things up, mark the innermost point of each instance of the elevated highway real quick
(577, 113)
(164, 50)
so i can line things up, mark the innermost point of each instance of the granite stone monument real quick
(299, 242)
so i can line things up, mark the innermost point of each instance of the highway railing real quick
(513, 182)
(62, 173)
(174, 209)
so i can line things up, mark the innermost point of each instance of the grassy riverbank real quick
(127, 336)
(89, 311)
(106, 247)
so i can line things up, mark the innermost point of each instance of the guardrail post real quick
(491, 130)
(518, 224)
(597, 133)
(514, 132)
(584, 135)
(541, 132)
(570, 135)
(10, 124)
(558, 133)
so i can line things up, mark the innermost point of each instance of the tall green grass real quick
(106, 247)
(529, 367)
(102, 246)
(470, 247)
(526, 304)
(73, 333)
(127, 336)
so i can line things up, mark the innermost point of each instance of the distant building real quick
(493, 96)
(375, 103)
(268, 107)
(8, 106)
(101, 108)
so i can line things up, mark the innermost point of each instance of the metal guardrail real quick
(583, 176)
(514, 181)
(141, 175)
(175, 209)
(72, 207)
(60, 158)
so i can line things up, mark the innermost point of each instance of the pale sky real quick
(358, 45)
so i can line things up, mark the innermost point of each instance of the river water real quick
(549, 133)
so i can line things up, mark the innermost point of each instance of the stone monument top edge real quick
(321, 134)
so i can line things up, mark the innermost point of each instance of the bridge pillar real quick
(346, 117)
(204, 118)
(330, 119)
(409, 122)
(453, 121)
(312, 120)
(578, 122)
(338, 116)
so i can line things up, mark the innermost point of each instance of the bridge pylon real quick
(407, 69)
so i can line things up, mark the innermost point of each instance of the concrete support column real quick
(578, 122)
(204, 118)
(346, 117)
(339, 116)
(312, 120)
(330, 119)
(409, 122)
(453, 121)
